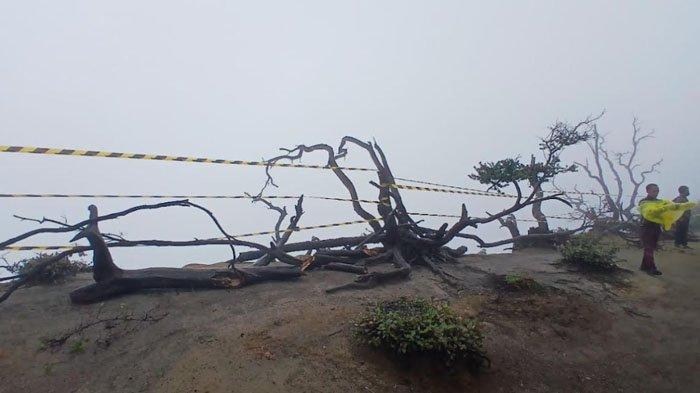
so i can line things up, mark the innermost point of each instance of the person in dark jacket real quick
(683, 223)
(650, 233)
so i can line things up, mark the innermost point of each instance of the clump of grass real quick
(43, 344)
(517, 282)
(160, 372)
(587, 251)
(78, 346)
(53, 273)
(418, 327)
(48, 369)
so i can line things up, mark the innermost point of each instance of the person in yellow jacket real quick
(650, 233)
(655, 214)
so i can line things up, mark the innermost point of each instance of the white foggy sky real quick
(441, 85)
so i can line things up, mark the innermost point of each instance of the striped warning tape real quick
(501, 194)
(448, 186)
(449, 191)
(140, 156)
(585, 193)
(185, 197)
(456, 216)
(337, 224)
(37, 248)
(469, 191)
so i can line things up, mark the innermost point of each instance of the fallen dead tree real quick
(110, 280)
(396, 239)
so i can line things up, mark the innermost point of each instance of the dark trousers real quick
(650, 239)
(682, 232)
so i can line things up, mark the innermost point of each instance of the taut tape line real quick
(140, 156)
(337, 224)
(17, 195)
(448, 191)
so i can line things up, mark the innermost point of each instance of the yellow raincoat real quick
(664, 212)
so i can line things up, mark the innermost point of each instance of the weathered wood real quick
(345, 267)
(112, 281)
(128, 281)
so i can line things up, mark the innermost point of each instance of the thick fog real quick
(440, 85)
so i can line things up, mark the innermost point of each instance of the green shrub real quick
(78, 346)
(514, 281)
(423, 328)
(55, 272)
(587, 251)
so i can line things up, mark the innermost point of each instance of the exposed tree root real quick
(58, 341)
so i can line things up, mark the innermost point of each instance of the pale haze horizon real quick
(440, 86)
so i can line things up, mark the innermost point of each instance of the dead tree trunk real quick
(542, 224)
(111, 281)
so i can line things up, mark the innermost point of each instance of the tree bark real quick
(112, 281)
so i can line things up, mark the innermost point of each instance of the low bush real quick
(587, 251)
(517, 282)
(423, 328)
(57, 271)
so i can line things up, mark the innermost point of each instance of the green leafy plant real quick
(514, 281)
(418, 327)
(78, 346)
(43, 344)
(48, 369)
(587, 251)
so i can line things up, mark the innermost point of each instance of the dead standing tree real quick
(402, 242)
(623, 168)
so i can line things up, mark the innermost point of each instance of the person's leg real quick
(654, 245)
(649, 246)
(681, 234)
(683, 229)
(648, 259)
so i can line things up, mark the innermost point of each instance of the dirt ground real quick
(633, 333)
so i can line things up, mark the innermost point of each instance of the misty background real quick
(440, 85)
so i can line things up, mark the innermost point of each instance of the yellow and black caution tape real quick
(449, 191)
(448, 186)
(140, 156)
(157, 157)
(456, 216)
(38, 248)
(502, 194)
(585, 193)
(184, 197)
(337, 224)
(470, 191)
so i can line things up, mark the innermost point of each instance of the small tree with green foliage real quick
(511, 171)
